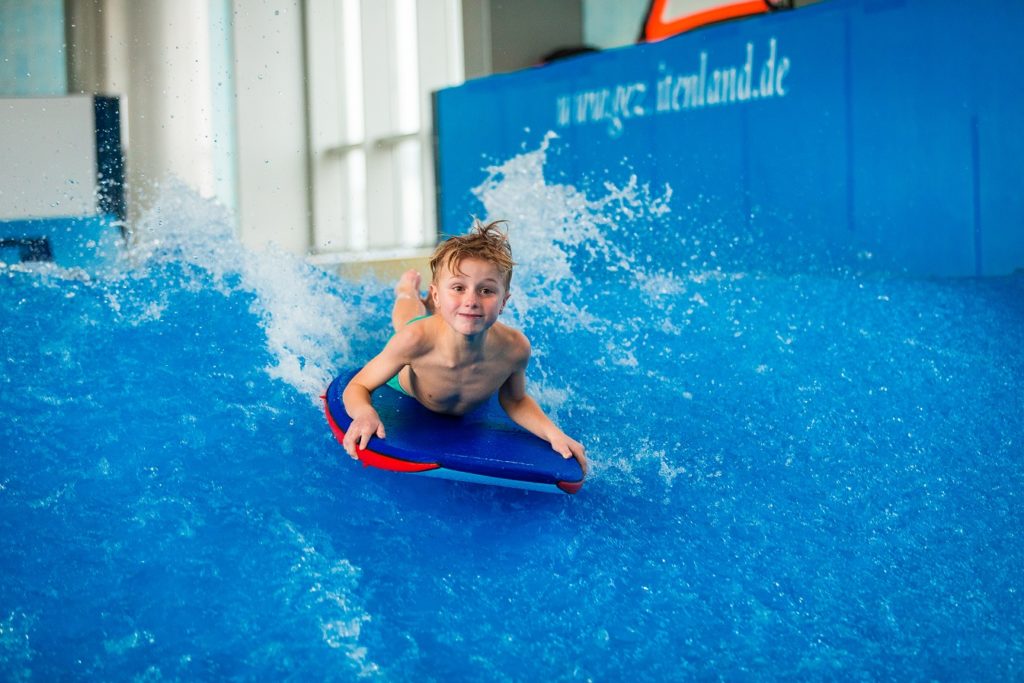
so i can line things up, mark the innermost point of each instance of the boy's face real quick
(470, 300)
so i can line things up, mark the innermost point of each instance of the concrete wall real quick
(53, 141)
(168, 63)
(213, 95)
(213, 92)
(273, 176)
(505, 35)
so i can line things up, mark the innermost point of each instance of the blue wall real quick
(884, 126)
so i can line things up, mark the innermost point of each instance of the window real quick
(372, 65)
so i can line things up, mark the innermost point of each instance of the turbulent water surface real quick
(798, 469)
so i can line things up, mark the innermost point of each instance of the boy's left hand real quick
(568, 447)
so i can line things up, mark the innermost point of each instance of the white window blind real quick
(373, 65)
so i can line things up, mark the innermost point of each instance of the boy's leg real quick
(407, 300)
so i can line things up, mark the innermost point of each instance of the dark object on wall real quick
(29, 248)
(109, 157)
(566, 52)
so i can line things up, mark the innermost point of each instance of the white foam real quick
(550, 223)
(304, 318)
(325, 587)
(16, 652)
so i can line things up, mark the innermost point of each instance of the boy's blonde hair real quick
(485, 242)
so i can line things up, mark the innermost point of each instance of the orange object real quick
(659, 26)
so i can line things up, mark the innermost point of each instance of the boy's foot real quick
(408, 286)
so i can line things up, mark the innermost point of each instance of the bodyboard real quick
(483, 446)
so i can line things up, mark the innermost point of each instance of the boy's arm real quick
(356, 397)
(525, 412)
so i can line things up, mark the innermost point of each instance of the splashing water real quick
(796, 471)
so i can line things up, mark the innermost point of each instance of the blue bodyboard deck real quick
(483, 446)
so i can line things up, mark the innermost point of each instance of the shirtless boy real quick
(455, 358)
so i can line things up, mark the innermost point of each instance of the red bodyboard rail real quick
(374, 459)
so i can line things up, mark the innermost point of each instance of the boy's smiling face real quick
(470, 299)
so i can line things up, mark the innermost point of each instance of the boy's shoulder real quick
(415, 337)
(511, 341)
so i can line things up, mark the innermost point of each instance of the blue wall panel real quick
(882, 127)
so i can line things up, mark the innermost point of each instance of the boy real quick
(454, 359)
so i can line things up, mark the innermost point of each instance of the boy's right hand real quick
(364, 426)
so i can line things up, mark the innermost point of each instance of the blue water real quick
(800, 468)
